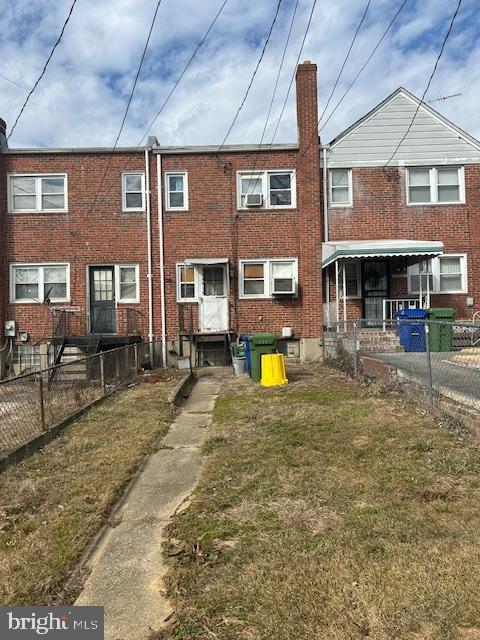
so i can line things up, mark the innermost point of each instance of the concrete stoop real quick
(127, 568)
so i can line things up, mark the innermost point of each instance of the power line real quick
(294, 72)
(212, 24)
(440, 53)
(366, 62)
(252, 78)
(275, 86)
(12, 82)
(440, 98)
(43, 70)
(345, 60)
(128, 103)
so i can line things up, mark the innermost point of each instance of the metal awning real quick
(194, 261)
(332, 251)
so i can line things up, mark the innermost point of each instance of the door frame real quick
(387, 275)
(87, 292)
(226, 283)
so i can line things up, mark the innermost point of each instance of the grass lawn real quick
(54, 502)
(328, 510)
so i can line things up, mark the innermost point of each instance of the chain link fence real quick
(437, 361)
(33, 402)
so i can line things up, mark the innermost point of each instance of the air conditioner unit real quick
(283, 287)
(253, 200)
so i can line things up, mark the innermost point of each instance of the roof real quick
(335, 249)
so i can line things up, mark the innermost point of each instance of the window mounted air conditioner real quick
(253, 200)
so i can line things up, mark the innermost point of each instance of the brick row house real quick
(195, 245)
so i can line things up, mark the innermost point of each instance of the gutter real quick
(149, 255)
(162, 259)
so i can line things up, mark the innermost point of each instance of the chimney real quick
(307, 107)
(3, 135)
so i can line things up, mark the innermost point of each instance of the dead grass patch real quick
(53, 503)
(328, 511)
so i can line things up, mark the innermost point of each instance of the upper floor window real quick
(37, 193)
(269, 277)
(446, 274)
(39, 282)
(341, 187)
(133, 191)
(435, 185)
(177, 191)
(266, 189)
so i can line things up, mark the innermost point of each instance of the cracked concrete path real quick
(127, 567)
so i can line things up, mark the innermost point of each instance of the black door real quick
(375, 290)
(102, 300)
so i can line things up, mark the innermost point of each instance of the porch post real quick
(344, 298)
(427, 266)
(420, 288)
(336, 292)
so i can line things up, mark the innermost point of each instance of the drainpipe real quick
(162, 259)
(325, 226)
(149, 256)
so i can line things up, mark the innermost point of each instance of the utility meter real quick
(10, 329)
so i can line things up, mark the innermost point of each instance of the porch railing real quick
(70, 323)
(392, 305)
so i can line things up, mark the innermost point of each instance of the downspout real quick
(325, 228)
(162, 259)
(149, 257)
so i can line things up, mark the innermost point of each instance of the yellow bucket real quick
(273, 370)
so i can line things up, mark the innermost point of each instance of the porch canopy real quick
(341, 249)
(206, 261)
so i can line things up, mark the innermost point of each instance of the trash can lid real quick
(442, 312)
(262, 338)
(412, 313)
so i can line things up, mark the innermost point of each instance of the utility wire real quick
(275, 87)
(294, 72)
(43, 70)
(128, 104)
(434, 70)
(12, 82)
(252, 78)
(199, 45)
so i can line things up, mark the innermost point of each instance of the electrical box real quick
(10, 330)
(469, 301)
(287, 332)
(22, 336)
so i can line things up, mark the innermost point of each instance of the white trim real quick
(41, 281)
(118, 297)
(267, 277)
(38, 192)
(264, 176)
(168, 175)
(435, 272)
(358, 267)
(433, 176)
(126, 209)
(178, 265)
(340, 205)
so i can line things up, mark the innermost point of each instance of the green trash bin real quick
(440, 337)
(260, 344)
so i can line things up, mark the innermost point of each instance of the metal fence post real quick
(41, 402)
(429, 365)
(355, 362)
(135, 355)
(102, 373)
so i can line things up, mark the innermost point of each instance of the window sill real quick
(38, 213)
(62, 302)
(348, 205)
(133, 210)
(435, 204)
(264, 209)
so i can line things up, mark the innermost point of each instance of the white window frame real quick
(41, 281)
(38, 192)
(178, 282)
(118, 298)
(358, 267)
(435, 271)
(339, 205)
(184, 174)
(264, 177)
(267, 273)
(433, 176)
(124, 191)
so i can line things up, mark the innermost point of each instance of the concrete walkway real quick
(127, 567)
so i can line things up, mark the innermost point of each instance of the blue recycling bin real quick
(411, 333)
(245, 339)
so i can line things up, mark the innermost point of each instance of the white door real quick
(213, 301)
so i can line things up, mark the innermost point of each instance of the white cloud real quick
(82, 97)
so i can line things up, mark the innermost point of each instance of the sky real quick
(83, 95)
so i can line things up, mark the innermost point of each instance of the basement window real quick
(37, 193)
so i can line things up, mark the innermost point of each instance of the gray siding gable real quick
(432, 138)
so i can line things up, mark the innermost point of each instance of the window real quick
(32, 193)
(177, 191)
(186, 283)
(39, 283)
(277, 188)
(352, 280)
(340, 187)
(447, 274)
(127, 277)
(213, 284)
(269, 277)
(435, 185)
(133, 191)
